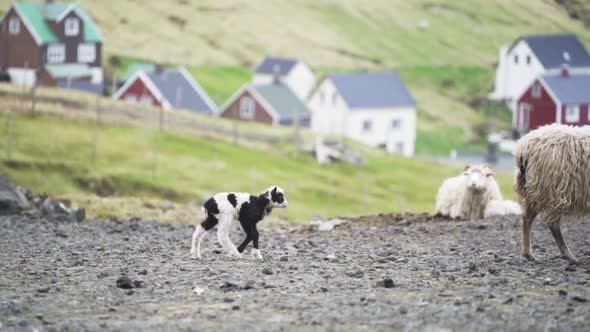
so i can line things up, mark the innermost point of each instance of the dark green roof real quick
(37, 15)
(283, 100)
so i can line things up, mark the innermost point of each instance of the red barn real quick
(561, 98)
(166, 88)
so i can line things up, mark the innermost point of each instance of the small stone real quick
(228, 300)
(331, 257)
(44, 290)
(435, 273)
(480, 309)
(138, 284)
(236, 307)
(509, 300)
(324, 289)
(151, 308)
(386, 283)
(580, 299)
(130, 292)
(355, 274)
(79, 215)
(142, 272)
(198, 290)
(124, 282)
(266, 271)
(403, 310)
(451, 278)
(561, 292)
(472, 267)
(570, 268)
(284, 258)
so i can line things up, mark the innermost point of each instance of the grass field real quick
(327, 33)
(55, 155)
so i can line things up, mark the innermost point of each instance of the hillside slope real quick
(332, 33)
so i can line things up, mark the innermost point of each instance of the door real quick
(524, 117)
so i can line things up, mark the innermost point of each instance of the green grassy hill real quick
(445, 49)
(328, 33)
(54, 154)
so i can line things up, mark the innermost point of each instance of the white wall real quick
(21, 76)
(334, 118)
(97, 75)
(300, 80)
(512, 79)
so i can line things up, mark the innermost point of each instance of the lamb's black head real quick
(276, 195)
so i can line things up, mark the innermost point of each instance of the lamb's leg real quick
(553, 221)
(198, 235)
(247, 227)
(200, 232)
(527, 222)
(223, 236)
(256, 250)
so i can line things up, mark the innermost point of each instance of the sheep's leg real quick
(223, 236)
(527, 222)
(553, 222)
(198, 236)
(256, 250)
(246, 227)
(200, 232)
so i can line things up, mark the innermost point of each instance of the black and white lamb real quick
(222, 208)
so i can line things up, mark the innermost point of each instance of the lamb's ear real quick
(492, 174)
(467, 166)
(274, 191)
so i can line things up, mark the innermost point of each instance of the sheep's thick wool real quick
(553, 179)
(466, 196)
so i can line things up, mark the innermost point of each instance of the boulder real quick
(12, 200)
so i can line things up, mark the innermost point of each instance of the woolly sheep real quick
(553, 179)
(466, 196)
(501, 208)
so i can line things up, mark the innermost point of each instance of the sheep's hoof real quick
(193, 256)
(530, 257)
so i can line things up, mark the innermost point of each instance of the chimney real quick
(276, 76)
(565, 70)
(158, 68)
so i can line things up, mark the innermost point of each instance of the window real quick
(14, 26)
(56, 53)
(131, 98)
(72, 26)
(516, 59)
(145, 99)
(396, 124)
(86, 53)
(246, 108)
(528, 59)
(399, 147)
(367, 125)
(536, 91)
(572, 113)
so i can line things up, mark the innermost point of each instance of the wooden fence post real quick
(9, 135)
(96, 130)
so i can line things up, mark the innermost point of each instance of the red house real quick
(166, 88)
(561, 98)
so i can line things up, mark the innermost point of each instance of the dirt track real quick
(444, 275)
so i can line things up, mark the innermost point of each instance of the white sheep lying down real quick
(466, 196)
(501, 208)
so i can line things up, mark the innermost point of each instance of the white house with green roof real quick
(55, 34)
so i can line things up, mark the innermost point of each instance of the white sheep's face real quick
(476, 177)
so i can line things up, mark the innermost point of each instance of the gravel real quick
(405, 273)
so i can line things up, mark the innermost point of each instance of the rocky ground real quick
(372, 273)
